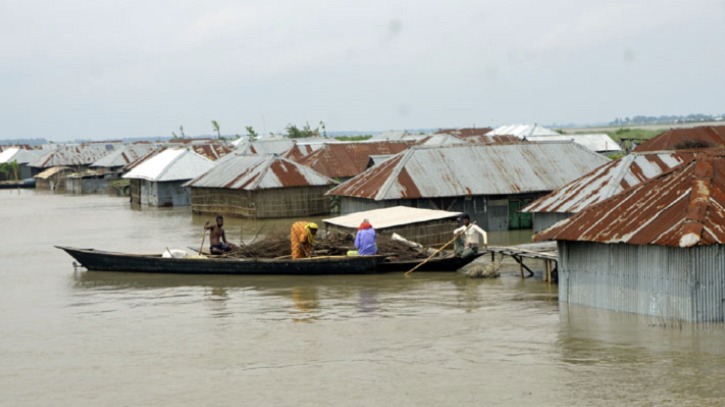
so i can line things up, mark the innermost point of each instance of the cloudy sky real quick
(104, 69)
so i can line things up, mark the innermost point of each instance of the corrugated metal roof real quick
(522, 130)
(595, 142)
(254, 172)
(344, 160)
(441, 140)
(124, 155)
(73, 155)
(683, 207)
(171, 165)
(19, 155)
(492, 139)
(52, 171)
(606, 181)
(465, 170)
(391, 217)
(212, 151)
(685, 138)
(265, 146)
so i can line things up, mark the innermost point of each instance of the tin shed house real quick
(159, 180)
(260, 186)
(489, 182)
(656, 249)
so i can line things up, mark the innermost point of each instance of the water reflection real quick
(302, 298)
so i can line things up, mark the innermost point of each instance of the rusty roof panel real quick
(254, 172)
(345, 160)
(607, 180)
(685, 138)
(683, 207)
(472, 170)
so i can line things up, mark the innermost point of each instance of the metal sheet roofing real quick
(606, 181)
(345, 160)
(254, 172)
(73, 155)
(391, 217)
(265, 146)
(171, 165)
(685, 138)
(124, 155)
(465, 170)
(595, 142)
(19, 155)
(52, 171)
(683, 207)
(441, 140)
(522, 130)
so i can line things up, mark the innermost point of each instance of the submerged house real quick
(489, 182)
(424, 226)
(53, 179)
(260, 186)
(600, 184)
(656, 249)
(158, 181)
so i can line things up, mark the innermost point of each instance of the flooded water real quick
(75, 338)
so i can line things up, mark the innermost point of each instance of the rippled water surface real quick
(75, 338)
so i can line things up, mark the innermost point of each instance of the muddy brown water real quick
(75, 338)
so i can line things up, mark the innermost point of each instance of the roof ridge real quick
(395, 173)
(697, 208)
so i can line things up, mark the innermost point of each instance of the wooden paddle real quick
(438, 251)
(203, 236)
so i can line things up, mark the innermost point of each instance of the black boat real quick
(99, 260)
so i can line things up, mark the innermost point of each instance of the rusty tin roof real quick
(683, 207)
(685, 138)
(345, 160)
(255, 172)
(466, 170)
(605, 181)
(73, 155)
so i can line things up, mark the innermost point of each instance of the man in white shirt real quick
(469, 238)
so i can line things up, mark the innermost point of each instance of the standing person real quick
(365, 239)
(469, 238)
(302, 238)
(217, 237)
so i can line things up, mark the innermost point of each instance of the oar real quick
(438, 251)
(203, 236)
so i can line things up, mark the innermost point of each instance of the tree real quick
(307, 131)
(10, 170)
(251, 134)
(215, 126)
(324, 129)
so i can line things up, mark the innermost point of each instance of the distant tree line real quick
(24, 141)
(666, 119)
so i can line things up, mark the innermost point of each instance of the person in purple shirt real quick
(365, 239)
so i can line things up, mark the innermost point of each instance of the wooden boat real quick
(99, 260)
(447, 263)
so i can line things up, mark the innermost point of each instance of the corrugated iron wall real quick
(543, 220)
(659, 281)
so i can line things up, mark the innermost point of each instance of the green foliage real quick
(631, 133)
(215, 127)
(251, 134)
(354, 138)
(294, 132)
(10, 170)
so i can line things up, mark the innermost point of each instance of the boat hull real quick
(98, 260)
(435, 264)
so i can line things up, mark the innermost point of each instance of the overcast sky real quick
(103, 69)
